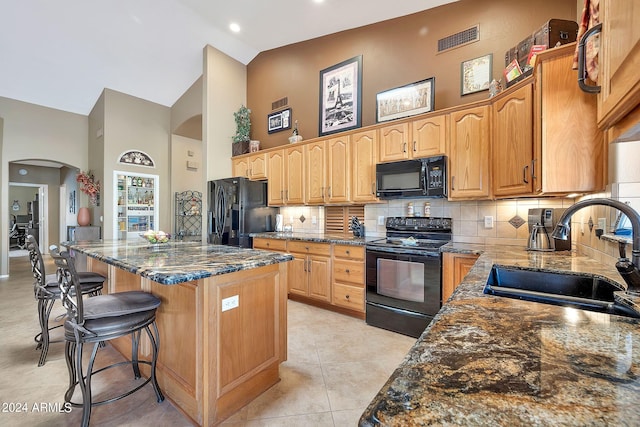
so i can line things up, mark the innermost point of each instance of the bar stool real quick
(46, 292)
(103, 318)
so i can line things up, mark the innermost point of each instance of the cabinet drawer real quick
(348, 271)
(308, 247)
(270, 244)
(348, 251)
(351, 297)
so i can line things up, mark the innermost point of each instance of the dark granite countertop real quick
(341, 239)
(175, 261)
(487, 360)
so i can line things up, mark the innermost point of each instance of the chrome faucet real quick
(627, 269)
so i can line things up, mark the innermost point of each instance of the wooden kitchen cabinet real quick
(513, 143)
(364, 155)
(455, 267)
(469, 153)
(568, 146)
(315, 167)
(278, 245)
(619, 60)
(338, 170)
(253, 167)
(310, 271)
(394, 142)
(276, 182)
(414, 139)
(429, 136)
(348, 277)
(286, 183)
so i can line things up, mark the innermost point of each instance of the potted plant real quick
(243, 128)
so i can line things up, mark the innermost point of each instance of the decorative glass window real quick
(138, 158)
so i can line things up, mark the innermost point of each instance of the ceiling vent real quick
(459, 39)
(280, 103)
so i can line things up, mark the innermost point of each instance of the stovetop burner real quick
(419, 233)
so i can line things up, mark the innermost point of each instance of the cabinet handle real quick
(414, 147)
(322, 188)
(309, 269)
(346, 296)
(282, 195)
(347, 271)
(305, 265)
(453, 180)
(348, 252)
(286, 194)
(329, 191)
(373, 188)
(404, 147)
(524, 174)
(582, 72)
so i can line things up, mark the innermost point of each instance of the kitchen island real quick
(488, 360)
(222, 321)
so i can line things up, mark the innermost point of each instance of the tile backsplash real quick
(469, 217)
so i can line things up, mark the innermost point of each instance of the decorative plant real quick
(89, 186)
(243, 124)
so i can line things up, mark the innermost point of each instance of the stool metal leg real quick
(155, 345)
(44, 310)
(70, 348)
(135, 343)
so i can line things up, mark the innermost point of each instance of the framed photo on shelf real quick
(405, 101)
(475, 74)
(278, 121)
(341, 96)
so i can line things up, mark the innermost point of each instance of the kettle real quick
(539, 239)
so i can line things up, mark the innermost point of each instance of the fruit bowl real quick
(155, 237)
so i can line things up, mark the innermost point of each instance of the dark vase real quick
(238, 148)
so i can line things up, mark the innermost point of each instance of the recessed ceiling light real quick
(234, 27)
(318, 1)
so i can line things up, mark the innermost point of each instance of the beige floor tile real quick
(328, 379)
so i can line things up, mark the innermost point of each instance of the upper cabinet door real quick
(394, 142)
(275, 187)
(315, 172)
(513, 143)
(294, 176)
(240, 167)
(429, 136)
(258, 166)
(619, 60)
(469, 154)
(364, 155)
(338, 169)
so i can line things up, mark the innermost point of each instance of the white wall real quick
(225, 90)
(34, 132)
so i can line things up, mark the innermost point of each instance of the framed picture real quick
(341, 96)
(405, 101)
(476, 74)
(278, 121)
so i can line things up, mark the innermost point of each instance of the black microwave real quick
(412, 178)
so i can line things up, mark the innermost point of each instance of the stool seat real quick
(113, 315)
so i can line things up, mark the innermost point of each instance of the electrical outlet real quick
(381, 220)
(231, 302)
(602, 223)
(488, 221)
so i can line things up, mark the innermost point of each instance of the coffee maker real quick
(542, 221)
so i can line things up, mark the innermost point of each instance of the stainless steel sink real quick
(567, 289)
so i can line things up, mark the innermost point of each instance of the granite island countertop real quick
(176, 261)
(488, 360)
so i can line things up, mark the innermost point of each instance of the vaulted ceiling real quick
(62, 54)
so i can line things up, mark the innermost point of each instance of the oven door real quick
(404, 281)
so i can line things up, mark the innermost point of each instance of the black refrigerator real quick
(238, 207)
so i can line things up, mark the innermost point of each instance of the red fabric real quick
(590, 18)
